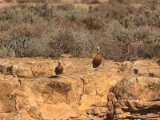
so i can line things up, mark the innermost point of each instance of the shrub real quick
(122, 44)
(114, 41)
(6, 52)
(80, 43)
(83, 43)
(123, 32)
(148, 42)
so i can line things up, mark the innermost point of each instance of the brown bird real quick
(97, 60)
(59, 69)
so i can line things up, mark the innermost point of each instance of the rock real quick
(9, 116)
(65, 90)
(42, 68)
(34, 112)
(97, 111)
(23, 72)
(147, 68)
(72, 89)
(29, 68)
(135, 98)
(7, 101)
(7, 70)
(57, 112)
(24, 115)
(31, 92)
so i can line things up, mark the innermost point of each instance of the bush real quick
(123, 32)
(6, 52)
(80, 43)
(121, 44)
(114, 42)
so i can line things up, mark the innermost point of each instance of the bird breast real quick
(59, 69)
(97, 60)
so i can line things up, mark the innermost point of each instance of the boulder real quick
(135, 98)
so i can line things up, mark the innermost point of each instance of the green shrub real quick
(6, 52)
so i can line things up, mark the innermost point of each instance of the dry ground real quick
(29, 92)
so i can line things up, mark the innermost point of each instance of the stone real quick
(57, 111)
(112, 91)
(23, 72)
(135, 98)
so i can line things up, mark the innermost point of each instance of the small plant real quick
(123, 32)
(5, 52)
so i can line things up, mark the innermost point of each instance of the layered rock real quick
(29, 90)
(135, 98)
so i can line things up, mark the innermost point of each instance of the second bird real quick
(97, 60)
(59, 69)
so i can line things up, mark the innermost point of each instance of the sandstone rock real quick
(57, 112)
(9, 116)
(24, 115)
(7, 102)
(28, 68)
(7, 70)
(34, 112)
(42, 68)
(80, 90)
(31, 92)
(135, 98)
(63, 89)
(100, 112)
(23, 72)
(147, 68)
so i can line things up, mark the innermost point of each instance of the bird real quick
(59, 68)
(97, 60)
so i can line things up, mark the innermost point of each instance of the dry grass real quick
(123, 32)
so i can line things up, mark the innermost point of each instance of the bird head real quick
(98, 50)
(59, 62)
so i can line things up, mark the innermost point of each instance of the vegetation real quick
(123, 30)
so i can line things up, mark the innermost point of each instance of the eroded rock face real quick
(26, 67)
(29, 90)
(135, 98)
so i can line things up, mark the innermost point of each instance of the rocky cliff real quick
(115, 90)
